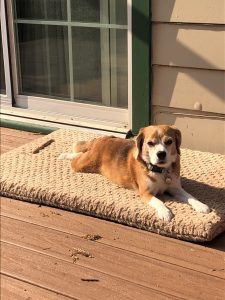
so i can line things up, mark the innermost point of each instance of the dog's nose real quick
(161, 155)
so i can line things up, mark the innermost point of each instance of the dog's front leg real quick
(181, 195)
(162, 211)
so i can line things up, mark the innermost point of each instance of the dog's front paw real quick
(200, 207)
(165, 214)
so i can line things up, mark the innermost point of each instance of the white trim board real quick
(50, 119)
(116, 117)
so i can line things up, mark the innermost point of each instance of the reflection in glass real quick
(73, 61)
(121, 67)
(99, 11)
(41, 9)
(43, 57)
(87, 64)
(85, 11)
(2, 72)
(118, 12)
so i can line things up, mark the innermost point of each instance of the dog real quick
(149, 165)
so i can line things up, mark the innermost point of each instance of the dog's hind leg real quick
(84, 164)
(82, 146)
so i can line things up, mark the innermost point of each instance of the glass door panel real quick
(85, 11)
(43, 60)
(41, 9)
(87, 64)
(5, 76)
(2, 71)
(74, 50)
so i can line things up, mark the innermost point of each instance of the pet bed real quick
(33, 173)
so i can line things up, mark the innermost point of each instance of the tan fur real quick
(128, 163)
(115, 158)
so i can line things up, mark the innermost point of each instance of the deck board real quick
(67, 278)
(123, 264)
(190, 255)
(128, 263)
(15, 289)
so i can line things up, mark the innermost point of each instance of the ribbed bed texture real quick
(33, 173)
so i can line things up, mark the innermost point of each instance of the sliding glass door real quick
(5, 76)
(2, 72)
(72, 50)
(78, 62)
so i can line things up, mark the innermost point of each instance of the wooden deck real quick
(38, 255)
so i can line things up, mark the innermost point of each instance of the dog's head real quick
(158, 145)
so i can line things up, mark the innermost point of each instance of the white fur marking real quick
(163, 212)
(183, 196)
(199, 206)
(153, 153)
(68, 155)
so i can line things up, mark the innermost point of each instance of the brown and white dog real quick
(150, 165)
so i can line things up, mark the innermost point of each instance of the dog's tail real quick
(82, 146)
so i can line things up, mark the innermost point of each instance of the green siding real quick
(141, 62)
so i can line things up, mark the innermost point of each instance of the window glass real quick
(41, 9)
(85, 11)
(87, 72)
(118, 12)
(121, 67)
(43, 60)
(2, 72)
(83, 59)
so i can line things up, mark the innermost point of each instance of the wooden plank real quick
(4, 149)
(11, 138)
(14, 289)
(10, 145)
(195, 89)
(70, 280)
(15, 141)
(131, 266)
(192, 46)
(191, 11)
(191, 256)
(28, 263)
(198, 131)
(218, 243)
(19, 133)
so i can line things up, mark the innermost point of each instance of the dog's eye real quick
(168, 142)
(151, 144)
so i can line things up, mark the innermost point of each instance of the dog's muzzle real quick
(161, 156)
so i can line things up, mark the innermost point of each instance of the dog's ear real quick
(139, 142)
(177, 138)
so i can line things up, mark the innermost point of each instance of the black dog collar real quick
(151, 167)
(155, 168)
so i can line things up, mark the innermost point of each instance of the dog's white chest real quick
(159, 183)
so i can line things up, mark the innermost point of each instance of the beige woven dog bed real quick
(33, 173)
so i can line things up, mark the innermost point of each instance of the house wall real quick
(188, 63)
